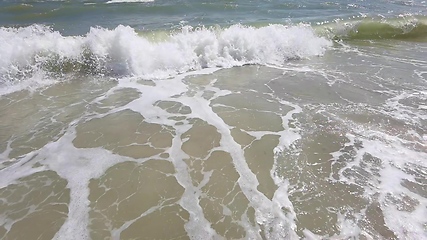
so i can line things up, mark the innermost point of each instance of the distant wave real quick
(27, 51)
(402, 28)
(129, 1)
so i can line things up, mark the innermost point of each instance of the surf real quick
(123, 51)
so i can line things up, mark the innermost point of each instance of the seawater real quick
(213, 119)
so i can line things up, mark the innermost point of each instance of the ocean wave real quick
(124, 52)
(129, 1)
(401, 28)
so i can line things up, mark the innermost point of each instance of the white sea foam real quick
(77, 166)
(123, 52)
(395, 158)
(25, 47)
(269, 215)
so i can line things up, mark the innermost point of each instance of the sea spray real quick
(122, 52)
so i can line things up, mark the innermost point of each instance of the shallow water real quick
(248, 152)
(285, 131)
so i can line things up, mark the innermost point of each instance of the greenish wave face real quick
(410, 28)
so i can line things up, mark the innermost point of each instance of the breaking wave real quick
(122, 51)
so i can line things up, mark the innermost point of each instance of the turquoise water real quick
(213, 119)
(76, 17)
